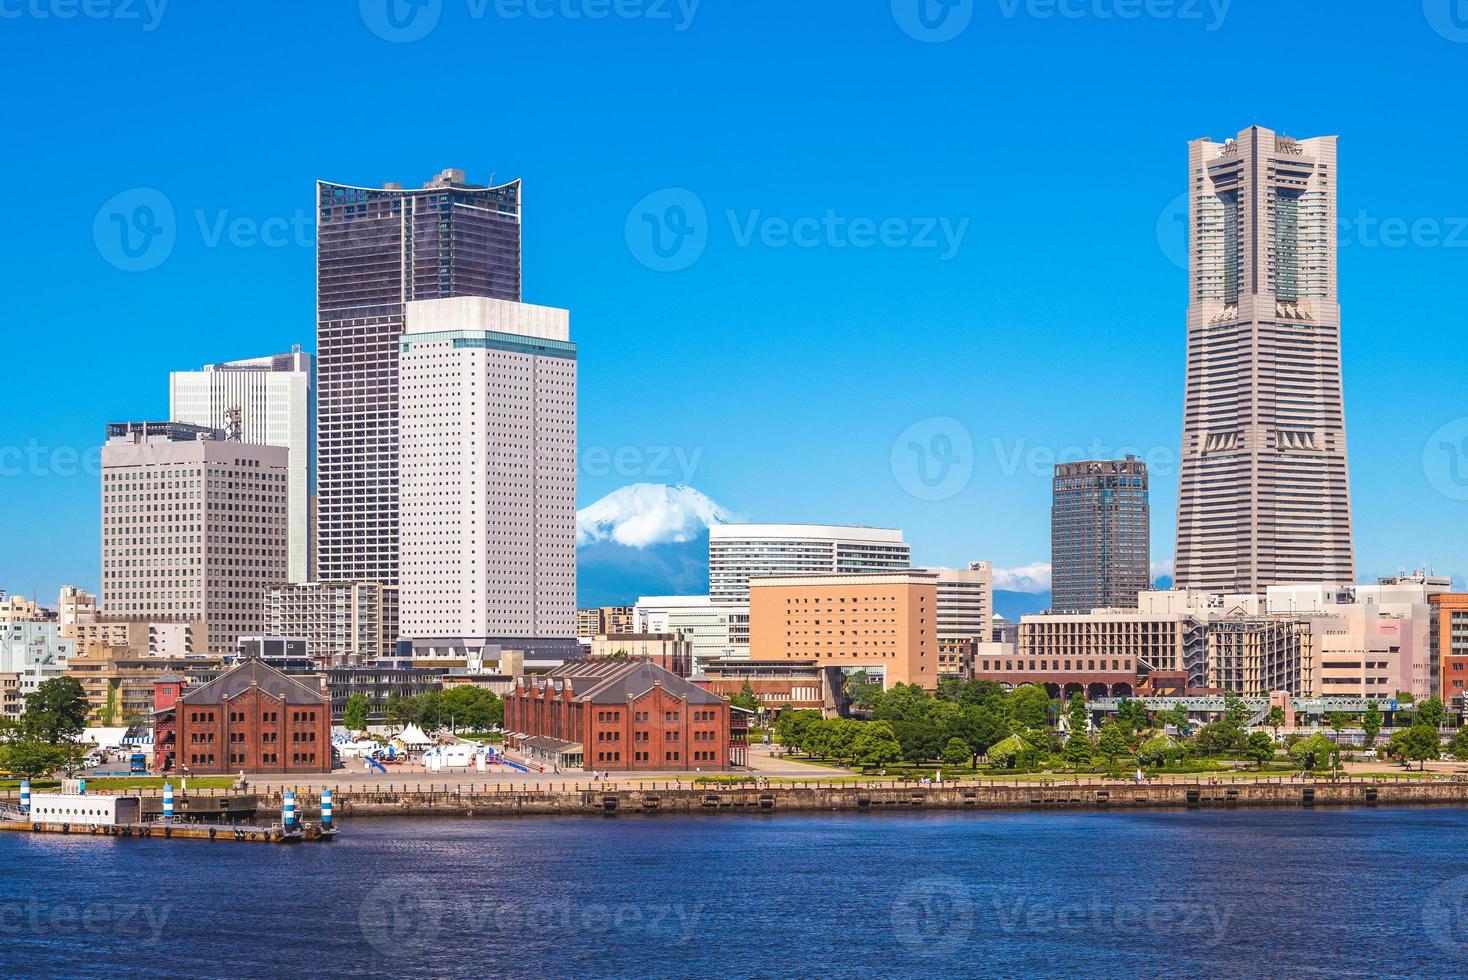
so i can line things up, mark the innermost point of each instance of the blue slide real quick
(496, 757)
(374, 764)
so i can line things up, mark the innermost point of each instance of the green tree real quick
(955, 753)
(1218, 737)
(1076, 714)
(920, 741)
(354, 718)
(1259, 749)
(1371, 723)
(1178, 718)
(1235, 711)
(1131, 714)
(108, 714)
(33, 756)
(1112, 742)
(1313, 753)
(1432, 713)
(56, 711)
(791, 727)
(1459, 746)
(1420, 743)
(1275, 719)
(1078, 751)
(1339, 721)
(1029, 706)
(747, 699)
(876, 745)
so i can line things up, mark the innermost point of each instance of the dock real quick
(176, 831)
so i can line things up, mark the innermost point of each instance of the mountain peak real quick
(642, 515)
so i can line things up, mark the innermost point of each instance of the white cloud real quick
(1161, 567)
(1034, 577)
(645, 514)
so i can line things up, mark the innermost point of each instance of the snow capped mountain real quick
(646, 514)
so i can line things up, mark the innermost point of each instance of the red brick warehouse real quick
(620, 715)
(251, 718)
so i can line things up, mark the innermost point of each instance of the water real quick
(1328, 892)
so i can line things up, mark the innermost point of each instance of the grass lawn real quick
(123, 783)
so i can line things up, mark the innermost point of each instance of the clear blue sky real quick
(787, 372)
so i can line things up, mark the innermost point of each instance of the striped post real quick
(288, 810)
(25, 796)
(326, 809)
(167, 801)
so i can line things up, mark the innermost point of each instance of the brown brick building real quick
(251, 718)
(619, 715)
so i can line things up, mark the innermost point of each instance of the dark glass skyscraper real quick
(1100, 541)
(377, 249)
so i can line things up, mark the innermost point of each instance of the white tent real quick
(106, 738)
(413, 738)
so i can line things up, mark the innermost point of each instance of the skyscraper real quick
(276, 398)
(487, 399)
(193, 527)
(1100, 541)
(378, 249)
(1264, 492)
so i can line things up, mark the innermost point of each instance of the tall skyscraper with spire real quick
(377, 250)
(1264, 492)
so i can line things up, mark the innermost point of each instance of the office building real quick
(19, 609)
(266, 401)
(194, 527)
(884, 623)
(377, 250)
(1264, 492)
(966, 602)
(1100, 538)
(591, 623)
(487, 447)
(671, 651)
(343, 623)
(75, 606)
(119, 681)
(740, 552)
(1449, 639)
(143, 636)
(718, 631)
(33, 652)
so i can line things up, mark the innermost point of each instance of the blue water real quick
(1328, 892)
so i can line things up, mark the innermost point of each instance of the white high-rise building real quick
(193, 527)
(487, 470)
(276, 398)
(966, 602)
(740, 552)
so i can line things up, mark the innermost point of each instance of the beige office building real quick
(966, 602)
(143, 636)
(884, 622)
(193, 527)
(344, 623)
(75, 606)
(1264, 494)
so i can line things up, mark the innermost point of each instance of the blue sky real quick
(973, 236)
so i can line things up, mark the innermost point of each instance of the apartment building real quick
(343, 623)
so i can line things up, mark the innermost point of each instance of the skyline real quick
(672, 358)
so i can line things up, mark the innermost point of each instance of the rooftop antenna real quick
(233, 427)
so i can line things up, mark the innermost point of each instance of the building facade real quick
(377, 250)
(193, 527)
(252, 719)
(143, 636)
(119, 682)
(966, 602)
(344, 623)
(1449, 640)
(1100, 536)
(34, 652)
(74, 607)
(591, 623)
(882, 622)
(487, 446)
(1264, 490)
(268, 401)
(740, 552)
(671, 651)
(619, 715)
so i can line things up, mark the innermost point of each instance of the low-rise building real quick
(12, 703)
(670, 651)
(252, 719)
(591, 623)
(780, 685)
(74, 606)
(883, 622)
(35, 651)
(19, 609)
(1448, 640)
(143, 635)
(618, 715)
(119, 682)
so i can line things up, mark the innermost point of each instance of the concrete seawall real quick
(615, 800)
